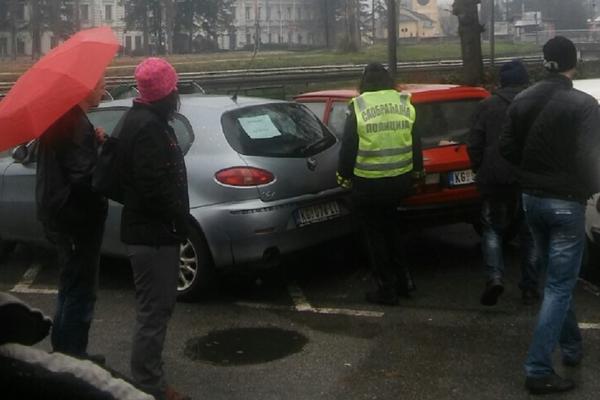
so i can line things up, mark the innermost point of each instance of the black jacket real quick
(495, 175)
(374, 190)
(153, 179)
(67, 155)
(558, 155)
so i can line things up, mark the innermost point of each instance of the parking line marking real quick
(300, 301)
(24, 285)
(589, 325)
(352, 313)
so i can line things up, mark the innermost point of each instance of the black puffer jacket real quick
(495, 175)
(153, 179)
(67, 156)
(559, 155)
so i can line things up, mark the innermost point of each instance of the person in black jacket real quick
(501, 211)
(73, 218)
(155, 213)
(553, 136)
(377, 197)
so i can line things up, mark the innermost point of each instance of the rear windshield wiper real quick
(315, 145)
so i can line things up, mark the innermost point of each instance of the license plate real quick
(458, 178)
(317, 213)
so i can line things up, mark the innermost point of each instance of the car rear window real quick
(276, 130)
(108, 118)
(445, 122)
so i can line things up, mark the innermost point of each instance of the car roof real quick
(589, 86)
(420, 92)
(205, 102)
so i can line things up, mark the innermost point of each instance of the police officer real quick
(380, 160)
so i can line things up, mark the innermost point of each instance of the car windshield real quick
(445, 122)
(276, 130)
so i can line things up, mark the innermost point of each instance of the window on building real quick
(290, 37)
(270, 37)
(279, 39)
(20, 11)
(138, 42)
(84, 12)
(3, 47)
(128, 44)
(20, 47)
(259, 12)
(268, 13)
(53, 42)
(247, 12)
(234, 12)
(299, 38)
(108, 12)
(248, 39)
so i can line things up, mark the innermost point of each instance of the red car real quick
(443, 120)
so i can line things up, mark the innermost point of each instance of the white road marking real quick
(24, 286)
(298, 298)
(589, 325)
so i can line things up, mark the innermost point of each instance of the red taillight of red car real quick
(244, 176)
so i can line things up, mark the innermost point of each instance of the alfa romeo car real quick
(443, 121)
(261, 177)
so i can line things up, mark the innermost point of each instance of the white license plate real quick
(317, 213)
(457, 178)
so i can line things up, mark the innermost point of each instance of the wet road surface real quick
(303, 331)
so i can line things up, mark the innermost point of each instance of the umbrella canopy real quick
(57, 82)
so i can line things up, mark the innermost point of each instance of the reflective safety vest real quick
(385, 119)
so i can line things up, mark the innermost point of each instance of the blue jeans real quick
(558, 230)
(79, 258)
(500, 214)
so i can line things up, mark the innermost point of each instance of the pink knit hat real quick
(155, 78)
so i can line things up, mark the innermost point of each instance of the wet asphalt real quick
(303, 331)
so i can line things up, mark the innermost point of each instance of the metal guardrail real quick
(253, 77)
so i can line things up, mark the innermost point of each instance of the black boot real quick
(548, 384)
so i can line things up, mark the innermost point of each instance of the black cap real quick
(513, 73)
(560, 54)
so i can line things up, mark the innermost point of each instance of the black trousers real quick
(384, 244)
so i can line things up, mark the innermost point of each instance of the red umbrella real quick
(58, 81)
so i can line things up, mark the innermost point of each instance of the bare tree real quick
(469, 30)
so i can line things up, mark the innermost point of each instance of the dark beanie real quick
(560, 54)
(513, 73)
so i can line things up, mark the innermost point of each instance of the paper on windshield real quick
(259, 127)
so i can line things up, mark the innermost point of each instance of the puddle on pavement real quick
(243, 346)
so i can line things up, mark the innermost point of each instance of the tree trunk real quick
(169, 7)
(469, 30)
(392, 36)
(36, 29)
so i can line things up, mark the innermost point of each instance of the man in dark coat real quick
(73, 217)
(501, 210)
(553, 137)
(155, 213)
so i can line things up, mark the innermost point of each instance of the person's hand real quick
(343, 182)
(100, 135)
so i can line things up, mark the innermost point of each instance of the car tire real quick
(197, 277)
(590, 263)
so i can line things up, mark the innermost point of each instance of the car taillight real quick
(244, 176)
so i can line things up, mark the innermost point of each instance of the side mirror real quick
(20, 153)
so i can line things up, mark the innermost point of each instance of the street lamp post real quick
(492, 32)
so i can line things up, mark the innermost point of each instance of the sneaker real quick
(548, 384)
(381, 297)
(529, 296)
(172, 394)
(493, 290)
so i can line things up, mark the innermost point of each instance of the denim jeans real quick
(558, 230)
(79, 258)
(499, 214)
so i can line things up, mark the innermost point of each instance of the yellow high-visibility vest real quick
(385, 119)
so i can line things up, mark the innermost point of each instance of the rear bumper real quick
(257, 232)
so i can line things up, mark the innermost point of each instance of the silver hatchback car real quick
(261, 177)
